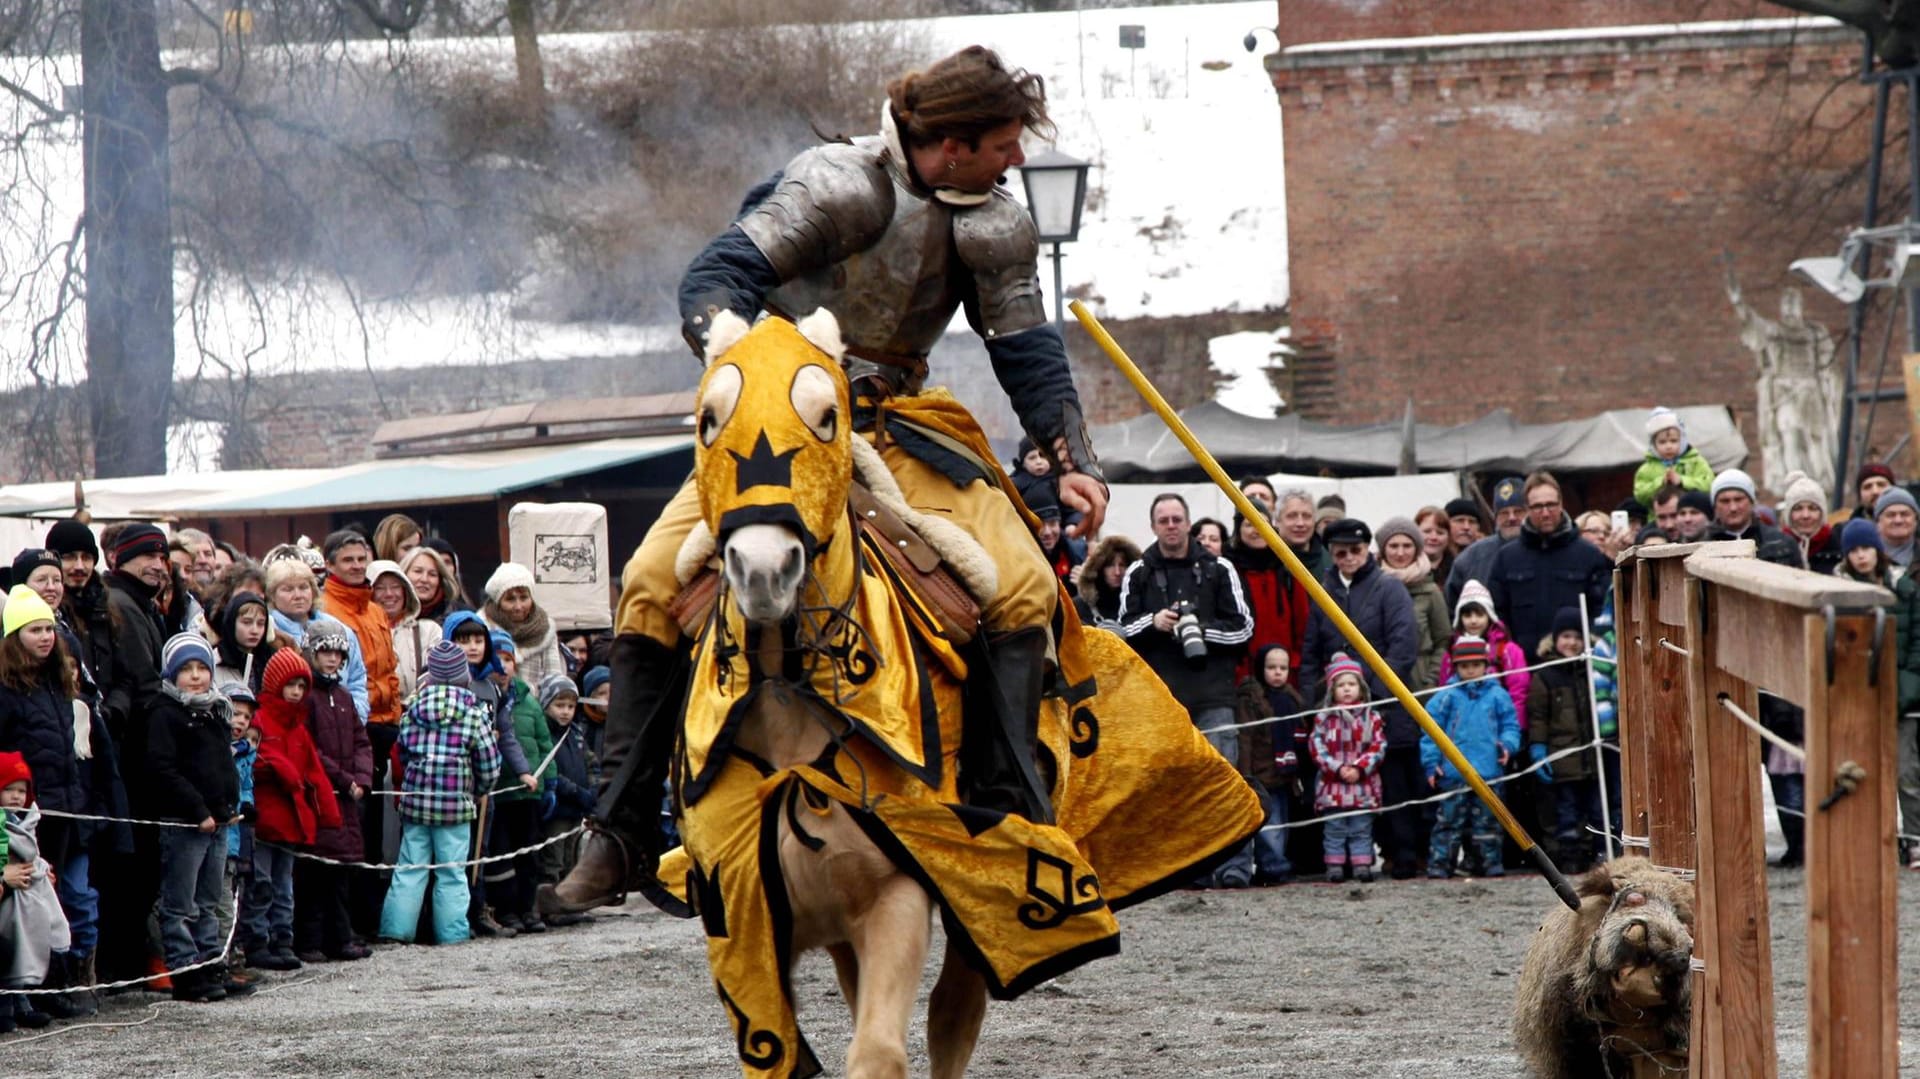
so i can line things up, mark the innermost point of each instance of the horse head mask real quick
(773, 457)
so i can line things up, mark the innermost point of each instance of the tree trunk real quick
(526, 62)
(128, 237)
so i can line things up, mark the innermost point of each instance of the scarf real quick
(211, 702)
(527, 634)
(1411, 575)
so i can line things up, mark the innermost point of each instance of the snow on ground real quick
(1244, 359)
(1185, 212)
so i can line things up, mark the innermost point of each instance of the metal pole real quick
(1593, 710)
(1857, 317)
(1059, 294)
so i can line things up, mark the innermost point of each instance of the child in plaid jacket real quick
(448, 751)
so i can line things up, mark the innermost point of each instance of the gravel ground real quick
(1392, 979)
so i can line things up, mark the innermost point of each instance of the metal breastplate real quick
(896, 297)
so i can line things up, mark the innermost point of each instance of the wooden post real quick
(1632, 672)
(1733, 1028)
(1852, 979)
(1670, 825)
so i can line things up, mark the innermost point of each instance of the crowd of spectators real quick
(181, 725)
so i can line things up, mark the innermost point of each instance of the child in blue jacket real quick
(1477, 714)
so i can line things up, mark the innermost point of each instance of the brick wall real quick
(1541, 227)
(1346, 20)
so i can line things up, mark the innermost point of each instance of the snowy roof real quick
(1717, 27)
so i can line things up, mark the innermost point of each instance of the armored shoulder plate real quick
(999, 243)
(832, 202)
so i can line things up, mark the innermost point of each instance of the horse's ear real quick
(726, 332)
(823, 331)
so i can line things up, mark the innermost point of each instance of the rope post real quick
(1733, 1022)
(1669, 715)
(1633, 670)
(1593, 712)
(1852, 891)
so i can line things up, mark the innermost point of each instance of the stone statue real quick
(1801, 389)
(1893, 25)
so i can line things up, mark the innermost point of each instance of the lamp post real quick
(1056, 193)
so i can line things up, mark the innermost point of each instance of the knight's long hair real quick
(965, 96)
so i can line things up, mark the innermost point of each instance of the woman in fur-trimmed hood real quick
(1097, 582)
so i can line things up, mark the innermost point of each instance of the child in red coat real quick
(293, 800)
(321, 928)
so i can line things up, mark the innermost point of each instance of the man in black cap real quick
(1693, 517)
(1382, 610)
(1476, 562)
(84, 606)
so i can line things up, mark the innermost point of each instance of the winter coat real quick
(536, 657)
(353, 675)
(87, 611)
(230, 663)
(1906, 629)
(1770, 544)
(447, 753)
(1538, 574)
(292, 796)
(513, 758)
(1821, 551)
(1269, 591)
(1431, 617)
(353, 607)
(237, 835)
(413, 638)
(1343, 737)
(1695, 475)
(1156, 583)
(32, 925)
(1474, 564)
(1479, 717)
(346, 755)
(1381, 609)
(1269, 750)
(39, 726)
(569, 778)
(530, 730)
(189, 764)
(1560, 716)
(138, 635)
(1505, 659)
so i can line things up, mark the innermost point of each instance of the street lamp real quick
(1056, 193)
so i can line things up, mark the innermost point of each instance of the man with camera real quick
(1183, 610)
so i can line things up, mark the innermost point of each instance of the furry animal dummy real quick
(1606, 990)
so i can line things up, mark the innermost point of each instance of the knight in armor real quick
(891, 233)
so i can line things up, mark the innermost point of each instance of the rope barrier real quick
(1784, 746)
(1675, 649)
(1312, 712)
(128, 983)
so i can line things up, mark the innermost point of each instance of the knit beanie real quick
(1695, 500)
(1894, 496)
(509, 576)
(503, 642)
(1345, 664)
(1399, 526)
(286, 665)
(32, 559)
(180, 649)
(235, 692)
(1733, 479)
(1858, 533)
(14, 769)
(71, 537)
(1042, 501)
(1475, 593)
(1469, 649)
(138, 539)
(555, 686)
(1463, 507)
(594, 679)
(1802, 489)
(1568, 619)
(328, 641)
(25, 607)
(447, 666)
(1868, 470)
(1662, 418)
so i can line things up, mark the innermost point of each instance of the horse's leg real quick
(954, 1014)
(846, 967)
(890, 939)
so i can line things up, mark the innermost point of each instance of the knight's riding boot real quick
(622, 846)
(999, 742)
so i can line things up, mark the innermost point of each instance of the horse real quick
(815, 777)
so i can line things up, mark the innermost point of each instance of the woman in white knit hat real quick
(1804, 515)
(510, 606)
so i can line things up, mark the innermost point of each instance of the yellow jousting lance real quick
(1327, 607)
